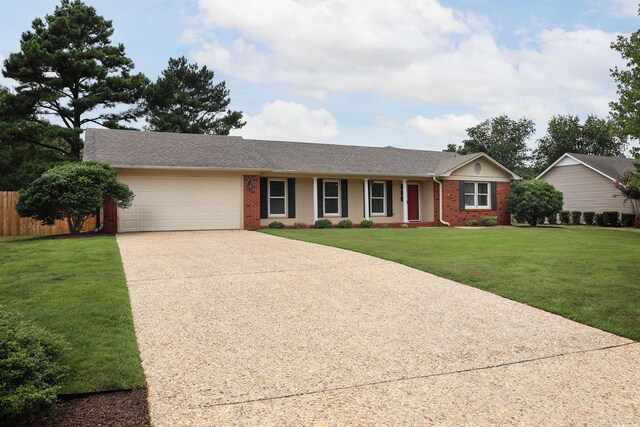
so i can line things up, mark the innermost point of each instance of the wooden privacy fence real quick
(12, 225)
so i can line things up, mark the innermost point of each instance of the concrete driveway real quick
(244, 328)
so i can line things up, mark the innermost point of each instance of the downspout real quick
(442, 221)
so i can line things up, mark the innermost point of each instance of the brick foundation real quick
(251, 190)
(110, 209)
(451, 205)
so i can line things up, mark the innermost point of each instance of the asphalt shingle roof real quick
(126, 148)
(613, 167)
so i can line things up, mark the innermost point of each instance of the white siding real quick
(585, 190)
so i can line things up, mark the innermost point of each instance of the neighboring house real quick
(196, 182)
(587, 182)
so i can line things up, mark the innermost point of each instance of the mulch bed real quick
(109, 409)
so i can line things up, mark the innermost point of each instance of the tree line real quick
(71, 75)
(507, 141)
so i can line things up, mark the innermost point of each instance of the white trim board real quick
(573, 161)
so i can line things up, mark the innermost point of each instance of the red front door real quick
(413, 202)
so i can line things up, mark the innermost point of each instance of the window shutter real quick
(461, 196)
(264, 198)
(494, 196)
(291, 197)
(344, 195)
(389, 198)
(320, 198)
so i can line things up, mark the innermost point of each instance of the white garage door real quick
(182, 202)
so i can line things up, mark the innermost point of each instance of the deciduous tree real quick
(72, 192)
(565, 134)
(502, 138)
(626, 110)
(629, 186)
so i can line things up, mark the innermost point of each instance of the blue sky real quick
(407, 73)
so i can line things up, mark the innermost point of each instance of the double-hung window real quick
(476, 195)
(378, 198)
(331, 197)
(277, 198)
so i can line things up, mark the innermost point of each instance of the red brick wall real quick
(110, 217)
(251, 202)
(451, 205)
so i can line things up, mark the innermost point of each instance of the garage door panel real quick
(164, 202)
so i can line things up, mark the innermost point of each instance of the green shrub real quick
(472, 222)
(366, 224)
(300, 225)
(529, 201)
(323, 223)
(599, 220)
(345, 223)
(552, 219)
(611, 218)
(72, 192)
(489, 221)
(276, 224)
(30, 369)
(628, 220)
(576, 217)
(565, 217)
(588, 217)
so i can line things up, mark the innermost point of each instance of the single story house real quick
(587, 182)
(196, 182)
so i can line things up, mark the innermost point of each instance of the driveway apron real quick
(243, 328)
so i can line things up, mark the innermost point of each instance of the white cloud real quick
(447, 128)
(623, 8)
(190, 36)
(290, 121)
(411, 49)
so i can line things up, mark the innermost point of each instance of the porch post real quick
(315, 199)
(405, 203)
(366, 199)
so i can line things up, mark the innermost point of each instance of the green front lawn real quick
(77, 288)
(591, 275)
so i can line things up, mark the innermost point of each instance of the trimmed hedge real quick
(553, 219)
(599, 220)
(276, 224)
(366, 224)
(489, 221)
(565, 217)
(345, 223)
(589, 217)
(472, 222)
(576, 217)
(323, 223)
(628, 220)
(611, 218)
(30, 369)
